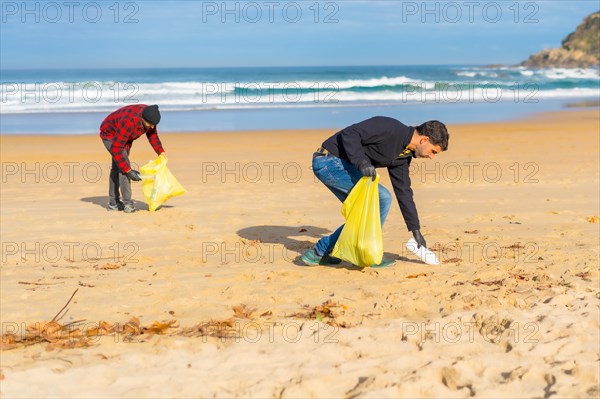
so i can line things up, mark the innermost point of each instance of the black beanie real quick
(151, 114)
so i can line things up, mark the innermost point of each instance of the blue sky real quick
(111, 34)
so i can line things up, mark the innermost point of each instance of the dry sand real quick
(513, 310)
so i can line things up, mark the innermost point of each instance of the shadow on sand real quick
(291, 237)
(103, 202)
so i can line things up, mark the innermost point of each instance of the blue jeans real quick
(339, 176)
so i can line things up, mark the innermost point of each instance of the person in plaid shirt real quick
(118, 130)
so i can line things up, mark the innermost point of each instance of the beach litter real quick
(423, 253)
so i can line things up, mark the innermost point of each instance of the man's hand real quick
(419, 238)
(369, 171)
(134, 175)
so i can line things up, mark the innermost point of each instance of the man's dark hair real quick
(437, 133)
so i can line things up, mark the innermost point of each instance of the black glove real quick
(368, 170)
(419, 238)
(134, 175)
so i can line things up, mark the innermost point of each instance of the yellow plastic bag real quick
(360, 242)
(158, 183)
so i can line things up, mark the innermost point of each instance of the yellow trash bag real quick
(360, 242)
(158, 183)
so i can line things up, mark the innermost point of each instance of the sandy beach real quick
(512, 311)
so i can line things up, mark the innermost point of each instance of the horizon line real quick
(247, 66)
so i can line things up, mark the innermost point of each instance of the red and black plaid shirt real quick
(122, 127)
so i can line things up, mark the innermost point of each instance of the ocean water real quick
(218, 99)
